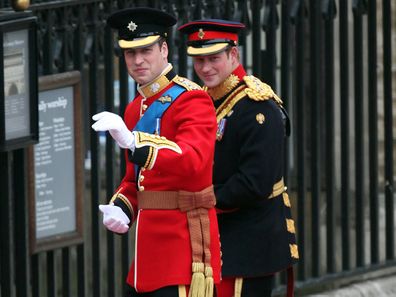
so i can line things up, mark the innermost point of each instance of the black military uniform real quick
(257, 232)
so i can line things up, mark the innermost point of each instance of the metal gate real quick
(332, 64)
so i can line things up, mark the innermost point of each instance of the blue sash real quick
(150, 122)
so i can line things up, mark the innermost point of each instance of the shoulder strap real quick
(150, 121)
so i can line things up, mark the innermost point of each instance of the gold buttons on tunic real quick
(141, 178)
(260, 118)
(144, 106)
(141, 188)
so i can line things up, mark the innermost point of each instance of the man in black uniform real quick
(257, 232)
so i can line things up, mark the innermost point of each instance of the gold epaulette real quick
(259, 91)
(186, 83)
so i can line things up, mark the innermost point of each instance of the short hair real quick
(228, 50)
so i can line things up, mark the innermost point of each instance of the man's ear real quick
(234, 54)
(164, 50)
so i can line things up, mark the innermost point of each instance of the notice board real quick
(18, 81)
(55, 165)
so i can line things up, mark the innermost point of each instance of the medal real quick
(157, 126)
(220, 129)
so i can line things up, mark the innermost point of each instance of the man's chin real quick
(210, 84)
(141, 80)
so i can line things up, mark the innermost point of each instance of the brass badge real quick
(260, 118)
(165, 99)
(155, 87)
(201, 34)
(132, 26)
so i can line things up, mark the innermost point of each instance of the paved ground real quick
(384, 287)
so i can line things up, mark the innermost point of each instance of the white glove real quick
(107, 121)
(114, 218)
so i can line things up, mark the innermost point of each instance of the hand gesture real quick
(114, 218)
(107, 121)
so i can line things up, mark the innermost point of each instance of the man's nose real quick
(205, 66)
(138, 59)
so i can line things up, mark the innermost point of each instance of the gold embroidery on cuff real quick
(151, 162)
(115, 195)
(149, 157)
(294, 251)
(126, 202)
(286, 199)
(290, 226)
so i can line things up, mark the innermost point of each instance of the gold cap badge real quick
(132, 26)
(201, 34)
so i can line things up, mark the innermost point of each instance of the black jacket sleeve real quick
(253, 142)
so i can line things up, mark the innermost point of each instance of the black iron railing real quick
(322, 57)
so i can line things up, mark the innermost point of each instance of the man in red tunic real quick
(257, 232)
(168, 133)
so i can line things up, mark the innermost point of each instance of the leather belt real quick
(195, 205)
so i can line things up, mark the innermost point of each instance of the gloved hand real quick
(107, 121)
(114, 218)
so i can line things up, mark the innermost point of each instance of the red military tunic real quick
(162, 245)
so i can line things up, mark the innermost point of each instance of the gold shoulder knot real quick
(259, 91)
(186, 83)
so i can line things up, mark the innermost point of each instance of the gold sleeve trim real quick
(290, 226)
(126, 202)
(155, 141)
(152, 156)
(186, 83)
(277, 189)
(294, 251)
(149, 157)
(286, 199)
(115, 195)
(123, 199)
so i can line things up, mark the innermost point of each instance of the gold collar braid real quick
(158, 84)
(224, 88)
